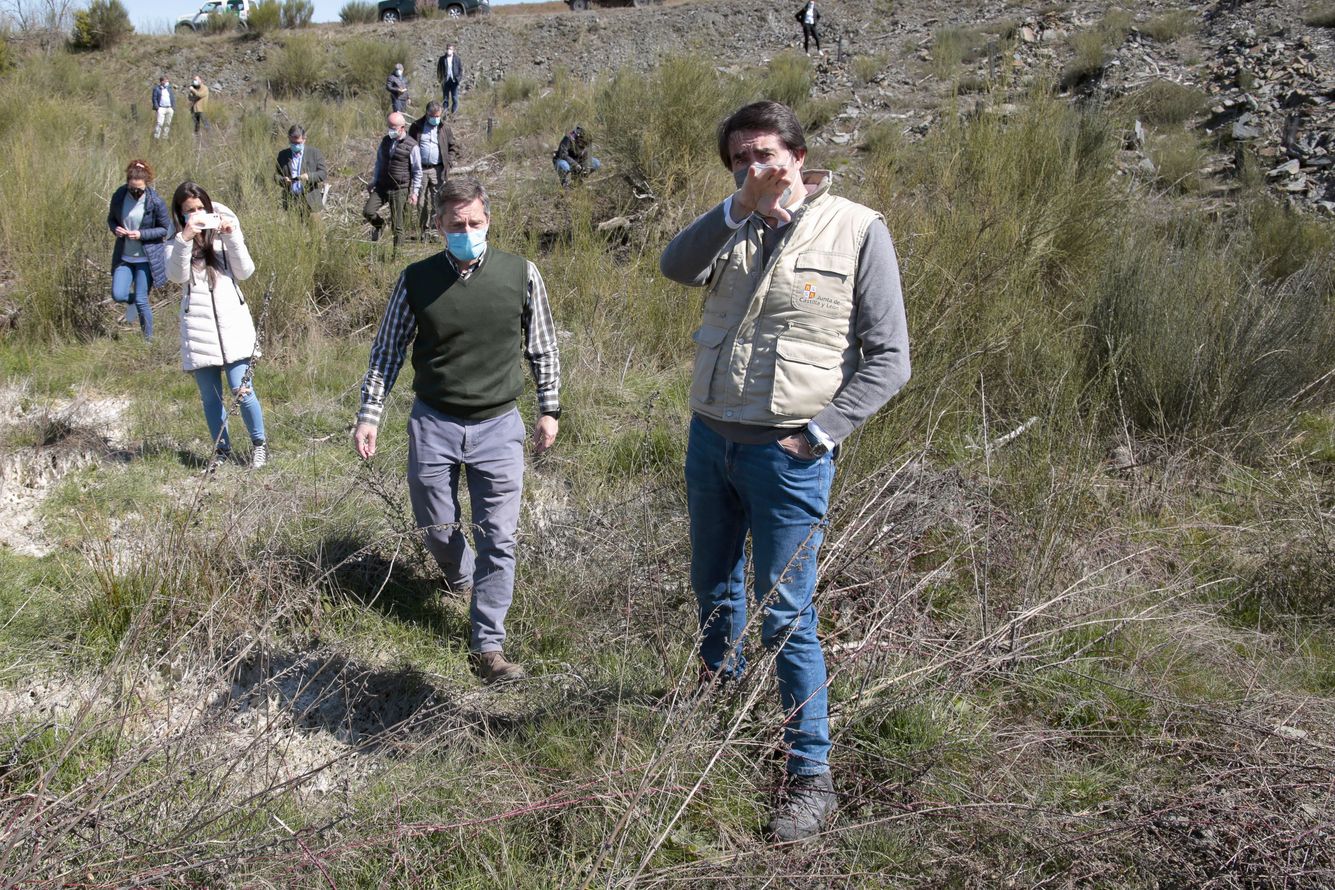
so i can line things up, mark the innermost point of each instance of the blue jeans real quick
(138, 276)
(563, 167)
(450, 89)
(732, 489)
(209, 381)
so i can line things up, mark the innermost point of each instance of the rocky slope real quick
(1269, 77)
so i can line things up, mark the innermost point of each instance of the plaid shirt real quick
(399, 326)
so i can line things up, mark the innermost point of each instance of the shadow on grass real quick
(393, 584)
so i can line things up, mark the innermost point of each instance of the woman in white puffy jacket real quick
(208, 257)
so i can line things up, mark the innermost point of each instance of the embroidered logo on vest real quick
(809, 293)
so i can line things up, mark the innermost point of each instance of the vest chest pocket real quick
(807, 373)
(707, 339)
(823, 283)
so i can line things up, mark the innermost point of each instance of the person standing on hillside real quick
(450, 73)
(572, 157)
(809, 16)
(208, 257)
(469, 312)
(164, 108)
(436, 145)
(138, 218)
(397, 87)
(199, 101)
(803, 338)
(300, 170)
(397, 178)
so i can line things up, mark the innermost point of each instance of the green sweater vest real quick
(469, 334)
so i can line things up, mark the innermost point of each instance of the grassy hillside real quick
(1076, 596)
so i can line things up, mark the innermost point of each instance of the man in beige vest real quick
(802, 339)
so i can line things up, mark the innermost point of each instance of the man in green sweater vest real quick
(470, 311)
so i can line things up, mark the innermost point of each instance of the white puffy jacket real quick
(216, 327)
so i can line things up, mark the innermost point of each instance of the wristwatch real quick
(554, 414)
(818, 448)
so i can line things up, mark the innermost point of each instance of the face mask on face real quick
(196, 81)
(297, 147)
(392, 133)
(136, 192)
(466, 246)
(433, 121)
(739, 177)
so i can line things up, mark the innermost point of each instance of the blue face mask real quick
(297, 147)
(466, 246)
(433, 121)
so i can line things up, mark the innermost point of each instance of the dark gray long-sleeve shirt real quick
(878, 321)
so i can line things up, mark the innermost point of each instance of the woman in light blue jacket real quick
(138, 218)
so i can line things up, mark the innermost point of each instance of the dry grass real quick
(1073, 591)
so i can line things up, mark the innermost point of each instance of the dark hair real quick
(766, 117)
(138, 169)
(464, 190)
(296, 131)
(435, 106)
(204, 241)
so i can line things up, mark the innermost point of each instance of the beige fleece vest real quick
(777, 341)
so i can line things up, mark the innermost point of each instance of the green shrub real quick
(222, 23)
(1321, 18)
(299, 67)
(1283, 241)
(788, 78)
(999, 223)
(8, 53)
(953, 46)
(357, 12)
(660, 127)
(1090, 54)
(1169, 26)
(297, 13)
(1164, 102)
(868, 68)
(1195, 343)
(1178, 158)
(101, 26)
(365, 63)
(265, 17)
(515, 89)
(1091, 48)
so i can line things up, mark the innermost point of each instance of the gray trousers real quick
(491, 454)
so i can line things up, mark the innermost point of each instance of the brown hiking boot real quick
(492, 667)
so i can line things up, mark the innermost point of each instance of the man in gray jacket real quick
(397, 87)
(803, 338)
(300, 170)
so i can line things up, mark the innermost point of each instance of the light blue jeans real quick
(563, 167)
(136, 277)
(209, 381)
(733, 489)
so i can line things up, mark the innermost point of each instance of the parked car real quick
(200, 20)
(398, 10)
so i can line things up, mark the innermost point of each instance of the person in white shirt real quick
(450, 73)
(809, 16)
(164, 105)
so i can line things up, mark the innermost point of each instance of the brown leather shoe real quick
(493, 667)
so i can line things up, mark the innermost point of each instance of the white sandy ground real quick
(28, 474)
